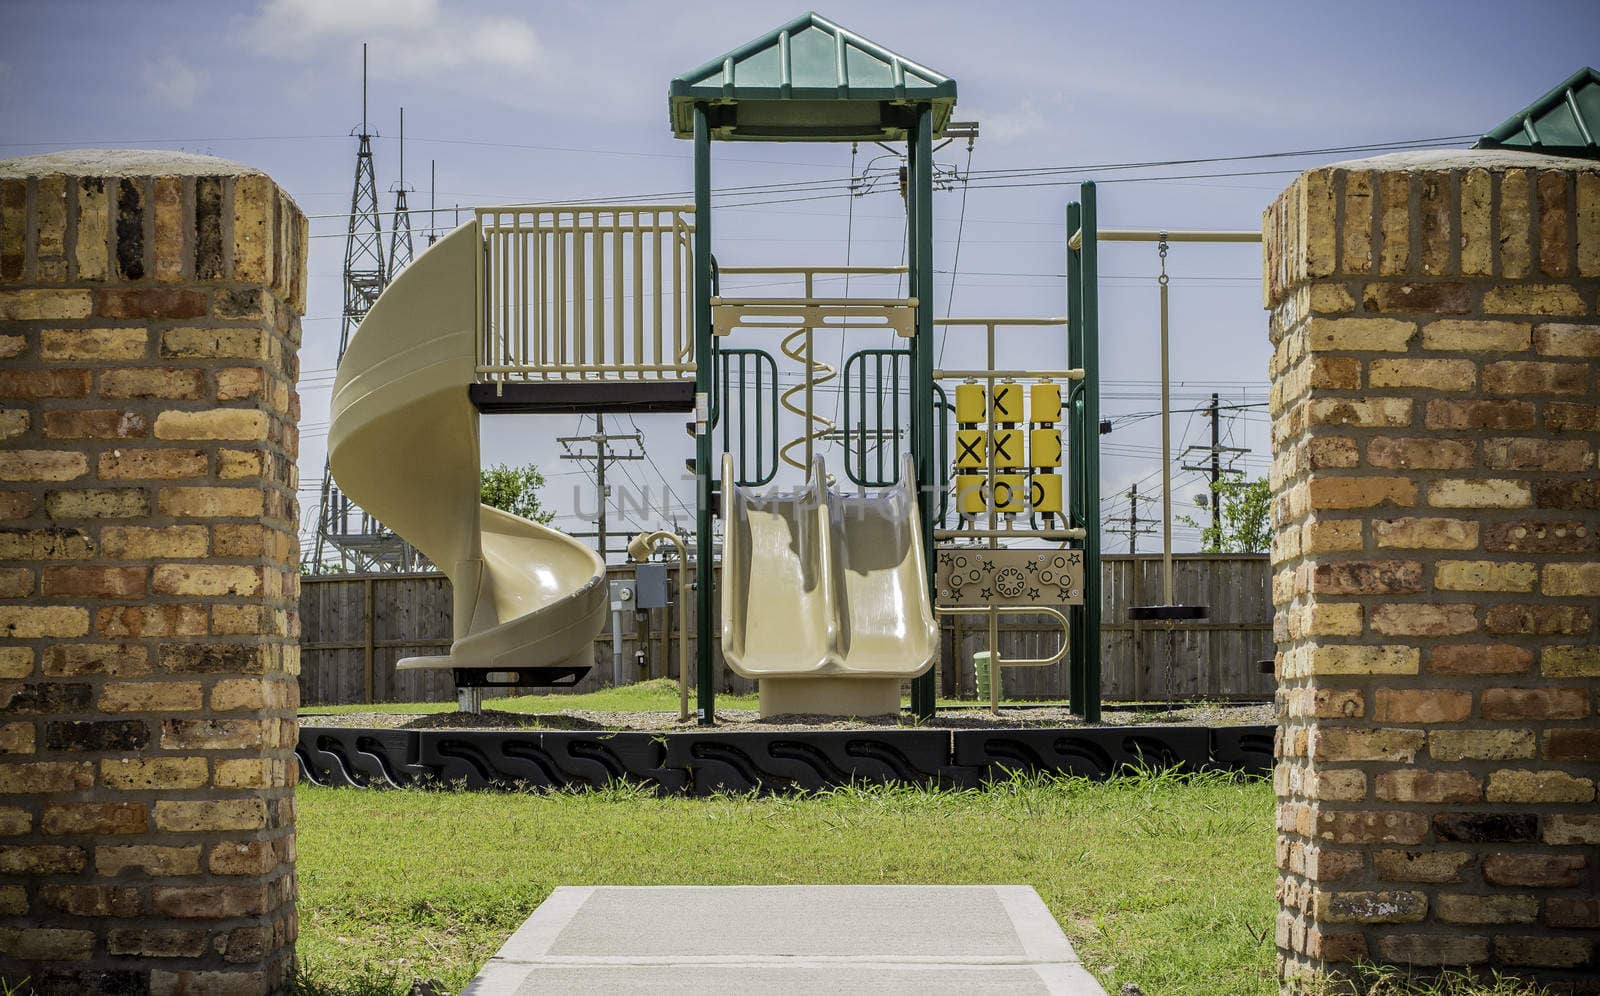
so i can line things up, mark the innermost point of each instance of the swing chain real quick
(1161, 249)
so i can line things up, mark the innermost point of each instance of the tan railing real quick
(586, 292)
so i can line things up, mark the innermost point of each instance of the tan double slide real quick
(403, 444)
(825, 594)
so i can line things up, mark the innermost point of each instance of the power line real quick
(987, 178)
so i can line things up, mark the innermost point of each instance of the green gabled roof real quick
(811, 81)
(1564, 122)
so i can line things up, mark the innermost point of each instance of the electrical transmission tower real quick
(400, 232)
(433, 207)
(347, 537)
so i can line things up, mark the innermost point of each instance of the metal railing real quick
(801, 317)
(747, 413)
(586, 292)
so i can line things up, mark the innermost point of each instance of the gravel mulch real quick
(1202, 714)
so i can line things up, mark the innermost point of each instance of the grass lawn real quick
(1160, 880)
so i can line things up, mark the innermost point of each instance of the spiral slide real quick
(403, 444)
(825, 595)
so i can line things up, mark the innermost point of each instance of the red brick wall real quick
(149, 317)
(1436, 417)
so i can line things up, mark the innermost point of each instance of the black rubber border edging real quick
(705, 762)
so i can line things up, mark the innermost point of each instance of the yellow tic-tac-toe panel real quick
(1010, 493)
(1044, 448)
(969, 403)
(969, 493)
(1044, 492)
(972, 448)
(1044, 400)
(1008, 449)
(1007, 406)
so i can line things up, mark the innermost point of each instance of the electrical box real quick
(650, 583)
(622, 595)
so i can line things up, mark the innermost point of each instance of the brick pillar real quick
(1435, 422)
(149, 317)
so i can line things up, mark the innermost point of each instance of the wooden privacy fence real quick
(355, 627)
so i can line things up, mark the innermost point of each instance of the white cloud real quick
(1020, 122)
(172, 82)
(415, 38)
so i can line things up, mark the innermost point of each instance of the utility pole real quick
(1216, 466)
(600, 480)
(1134, 529)
(604, 455)
(1213, 468)
(1133, 519)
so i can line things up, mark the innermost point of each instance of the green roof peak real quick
(1564, 122)
(811, 80)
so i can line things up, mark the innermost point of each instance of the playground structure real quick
(828, 596)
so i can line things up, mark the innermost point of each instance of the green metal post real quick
(919, 227)
(1090, 322)
(705, 473)
(1077, 443)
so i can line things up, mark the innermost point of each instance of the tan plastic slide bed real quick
(403, 444)
(825, 595)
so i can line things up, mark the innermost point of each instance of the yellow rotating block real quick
(1044, 492)
(1044, 448)
(1008, 449)
(1007, 405)
(1010, 493)
(969, 403)
(1044, 400)
(969, 493)
(972, 448)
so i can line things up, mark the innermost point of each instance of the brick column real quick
(149, 317)
(1435, 422)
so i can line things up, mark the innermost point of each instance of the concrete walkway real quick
(824, 940)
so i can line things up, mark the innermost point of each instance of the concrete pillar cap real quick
(122, 162)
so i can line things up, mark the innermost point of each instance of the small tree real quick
(1246, 508)
(515, 490)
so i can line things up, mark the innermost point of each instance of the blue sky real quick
(526, 101)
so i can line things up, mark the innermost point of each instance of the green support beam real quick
(1077, 443)
(924, 689)
(1089, 326)
(1083, 435)
(705, 472)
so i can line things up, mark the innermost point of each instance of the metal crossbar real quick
(585, 292)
